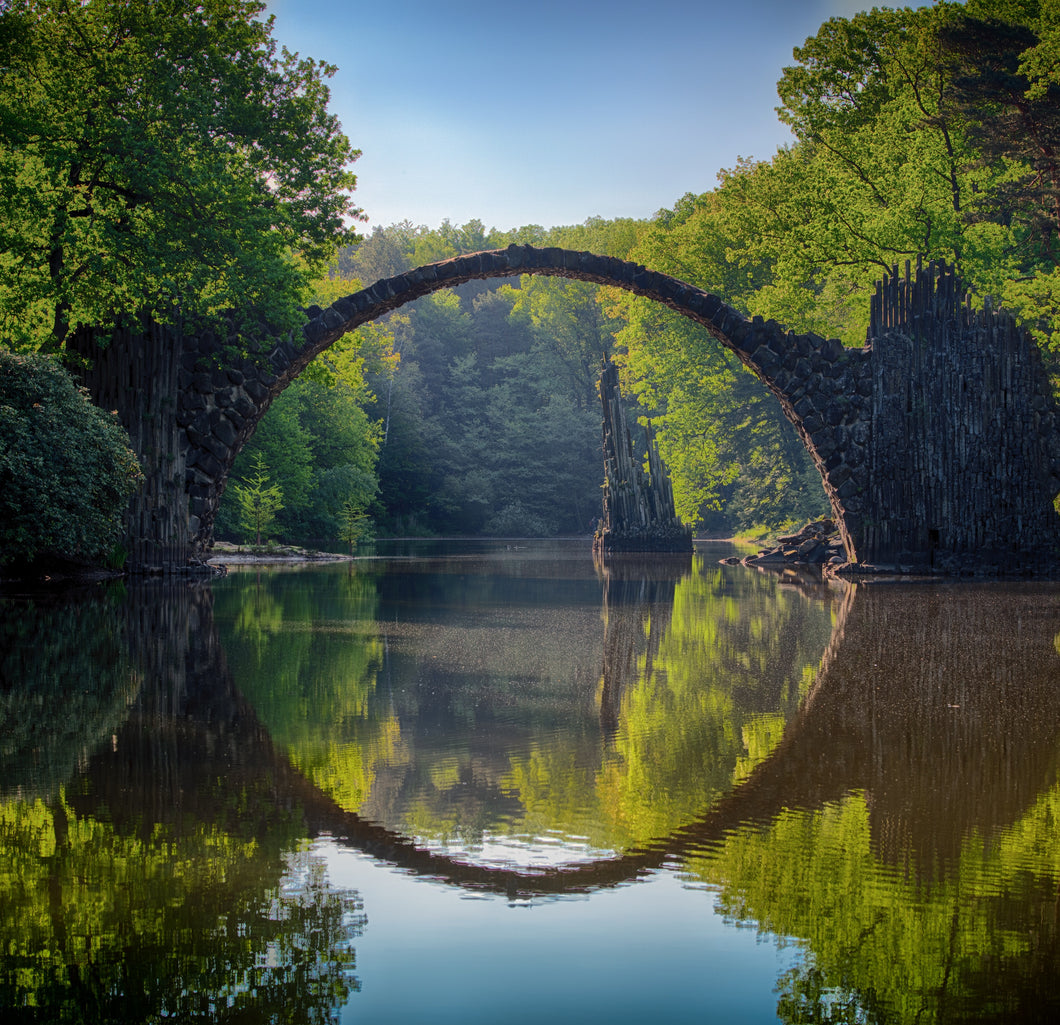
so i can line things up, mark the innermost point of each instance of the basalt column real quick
(639, 514)
(962, 462)
(134, 370)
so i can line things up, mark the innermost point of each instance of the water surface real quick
(500, 782)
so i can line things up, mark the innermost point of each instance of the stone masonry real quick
(936, 442)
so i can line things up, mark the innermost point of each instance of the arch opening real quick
(891, 468)
(764, 347)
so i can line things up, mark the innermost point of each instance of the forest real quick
(932, 131)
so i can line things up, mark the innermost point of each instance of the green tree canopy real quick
(924, 131)
(160, 156)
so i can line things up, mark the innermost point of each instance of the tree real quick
(353, 524)
(160, 156)
(258, 501)
(1012, 123)
(66, 469)
(160, 163)
(734, 460)
(919, 132)
(319, 443)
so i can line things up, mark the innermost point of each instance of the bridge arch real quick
(938, 442)
(805, 372)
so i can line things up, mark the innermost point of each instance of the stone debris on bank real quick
(816, 544)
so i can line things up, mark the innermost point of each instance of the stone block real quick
(812, 423)
(244, 405)
(193, 400)
(256, 391)
(831, 349)
(314, 331)
(209, 465)
(226, 433)
(840, 473)
(346, 308)
(217, 448)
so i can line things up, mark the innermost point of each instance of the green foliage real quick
(354, 525)
(258, 501)
(321, 449)
(701, 679)
(916, 136)
(1041, 63)
(1013, 124)
(733, 457)
(919, 132)
(977, 944)
(489, 428)
(399, 247)
(66, 469)
(157, 156)
(488, 408)
(305, 652)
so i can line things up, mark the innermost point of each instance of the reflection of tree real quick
(806, 998)
(304, 650)
(700, 680)
(479, 657)
(638, 602)
(903, 827)
(104, 926)
(488, 714)
(67, 683)
(923, 869)
(158, 886)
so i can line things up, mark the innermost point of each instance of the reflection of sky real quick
(654, 951)
(549, 850)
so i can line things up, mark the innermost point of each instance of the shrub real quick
(66, 468)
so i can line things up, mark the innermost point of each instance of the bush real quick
(66, 468)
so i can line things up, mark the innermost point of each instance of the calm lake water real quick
(501, 783)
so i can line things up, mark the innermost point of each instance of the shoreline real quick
(224, 553)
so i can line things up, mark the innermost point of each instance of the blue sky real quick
(550, 111)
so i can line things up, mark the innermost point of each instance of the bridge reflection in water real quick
(894, 807)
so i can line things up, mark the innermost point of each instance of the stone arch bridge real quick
(937, 442)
